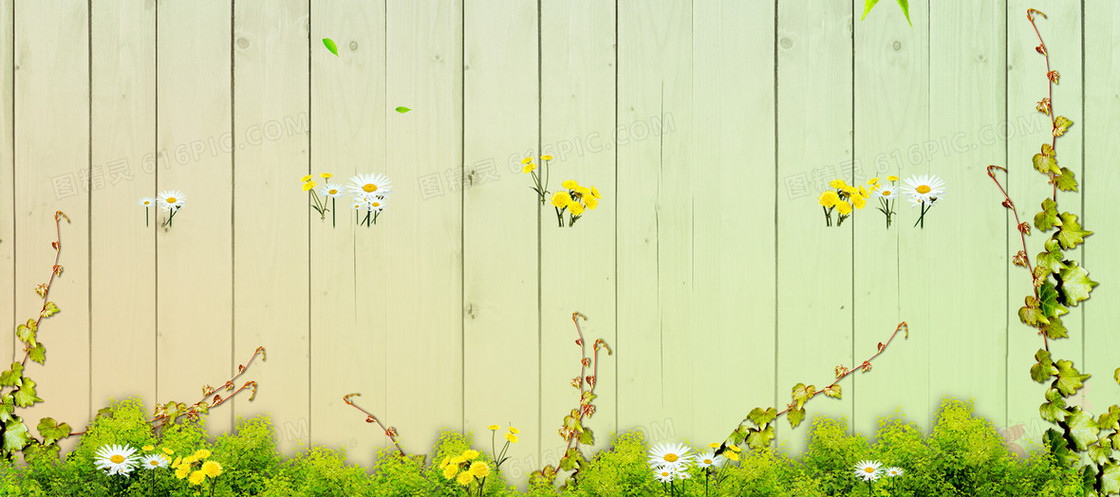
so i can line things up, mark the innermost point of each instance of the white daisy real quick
(889, 192)
(171, 200)
(146, 202)
(709, 458)
(153, 461)
(868, 470)
(376, 204)
(893, 471)
(370, 185)
(925, 188)
(664, 475)
(116, 459)
(333, 190)
(359, 204)
(671, 456)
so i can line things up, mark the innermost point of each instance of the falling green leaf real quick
(1070, 380)
(402, 109)
(868, 4)
(1071, 235)
(1074, 284)
(329, 43)
(1065, 181)
(1048, 218)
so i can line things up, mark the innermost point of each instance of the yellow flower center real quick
(671, 457)
(332, 191)
(664, 473)
(171, 200)
(117, 458)
(886, 193)
(707, 461)
(369, 188)
(376, 204)
(923, 189)
(869, 469)
(154, 462)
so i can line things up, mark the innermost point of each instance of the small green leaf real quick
(49, 310)
(1044, 368)
(38, 353)
(833, 391)
(1054, 409)
(402, 109)
(1061, 124)
(1055, 329)
(586, 437)
(1111, 419)
(760, 438)
(1048, 301)
(329, 43)
(760, 417)
(25, 334)
(1074, 284)
(1048, 218)
(52, 430)
(1045, 164)
(1030, 314)
(1051, 260)
(1082, 428)
(867, 5)
(1110, 479)
(802, 393)
(16, 436)
(7, 409)
(12, 376)
(1116, 375)
(1069, 378)
(906, 10)
(796, 416)
(1065, 181)
(1070, 235)
(25, 396)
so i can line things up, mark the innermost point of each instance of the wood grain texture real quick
(7, 179)
(814, 301)
(52, 167)
(577, 262)
(122, 245)
(194, 260)
(271, 119)
(423, 322)
(890, 264)
(347, 287)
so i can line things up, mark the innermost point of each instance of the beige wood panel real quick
(733, 152)
(271, 119)
(814, 261)
(891, 116)
(654, 227)
(577, 262)
(501, 292)
(52, 165)
(194, 265)
(122, 245)
(966, 338)
(423, 290)
(1026, 85)
(8, 314)
(1098, 179)
(348, 262)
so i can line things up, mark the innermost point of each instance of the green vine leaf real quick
(1065, 181)
(16, 436)
(1110, 479)
(25, 396)
(7, 408)
(38, 353)
(1044, 368)
(49, 310)
(832, 391)
(586, 437)
(1111, 419)
(1048, 218)
(1069, 378)
(1049, 261)
(1045, 162)
(760, 438)
(760, 417)
(1099, 454)
(52, 431)
(1048, 301)
(802, 393)
(1061, 124)
(796, 416)
(1055, 329)
(1074, 284)
(1070, 235)
(1054, 409)
(12, 376)
(1082, 428)
(1031, 315)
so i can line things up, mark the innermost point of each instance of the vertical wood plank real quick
(501, 292)
(1026, 85)
(271, 112)
(424, 261)
(1099, 179)
(734, 257)
(52, 167)
(577, 262)
(122, 245)
(8, 314)
(891, 113)
(814, 262)
(966, 339)
(654, 222)
(348, 265)
(194, 266)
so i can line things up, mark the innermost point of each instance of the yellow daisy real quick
(570, 184)
(546, 157)
(470, 454)
(479, 469)
(449, 472)
(837, 184)
(526, 160)
(844, 208)
(182, 471)
(859, 201)
(530, 167)
(308, 185)
(575, 208)
(872, 181)
(211, 468)
(892, 178)
(515, 431)
(306, 178)
(829, 198)
(494, 427)
(591, 202)
(202, 453)
(168, 451)
(511, 437)
(326, 175)
(465, 478)
(595, 192)
(561, 199)
(197, 477)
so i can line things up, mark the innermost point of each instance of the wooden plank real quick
(966, 338)
(424, 322)
(814, 130)
(1098, 180)
(734, 258)
(122, 244)
(7, 180)
(1026, 85)
(271, 281)
(194, 266)
(52, 164)
(348, 265)
(577, 262)
(501, 292)
(891, 113)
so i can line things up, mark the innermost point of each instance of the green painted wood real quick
(891, 265)
(423, 287)
(501, 283)
(814, 302)
(122, 246)
(734, 254)
(270, 100)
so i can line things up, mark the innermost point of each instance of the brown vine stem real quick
(390, 432)
(1051, 77)
(585, 409)
(1022, 255)
(56, 270)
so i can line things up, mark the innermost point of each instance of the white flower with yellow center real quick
(709, 458)
(889, 192)
(868, 470)
(171, 200)
(923, 189)
(153, 461)
(376, 204)
(333, 190)
(664, 475)
(670, 456)
(370, 185)
(116, 459)
(146, 202)
(893, 471)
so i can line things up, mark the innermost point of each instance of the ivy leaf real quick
(1111, 419)
(16, 436)
(586, 437)
(329, 43)
(1061, 124)
(1051, 260)
(7, 409)
(1030, 314)
(796, 416)
(38, 353)
(1070, 235)
(402, 109)
(51, 430)
(833, 391)
(1116, 375)
(12, 376)
(760, 438)
(25, 396)
(1044, 368)
(1099, 454)
(1065, 180)
(1110, 479)
(802, 393)
(1048, 218)
(1054, 409)
(49, 310)
(1045, 163)
(1074, 284)
(1059, 447)
(1082, 428)
(1055, 329)
(1069, 378)
(1048, 301)
(760, 417)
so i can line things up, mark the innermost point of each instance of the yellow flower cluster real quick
(511, 436)
(575, 201)
(843, 198)
(731, 453)
(309, 183)
(208, 469)
(463, 467)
